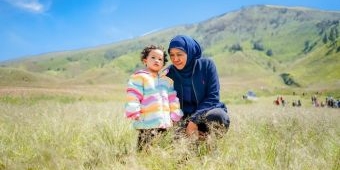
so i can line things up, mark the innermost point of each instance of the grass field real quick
(61, 129)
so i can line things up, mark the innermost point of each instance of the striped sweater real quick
(151, 101)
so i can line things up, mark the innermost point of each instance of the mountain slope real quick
(252, 47)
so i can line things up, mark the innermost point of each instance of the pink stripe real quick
(172, 97)
(149, 100)
(132, 115)
(134, 91)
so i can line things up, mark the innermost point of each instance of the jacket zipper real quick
(193, 86)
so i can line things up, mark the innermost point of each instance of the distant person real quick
(299, 103)
(283, 102)
(296, 103)
(322, 104)
(315, 101)
(277, 101)
(197, 84)
(152, 103)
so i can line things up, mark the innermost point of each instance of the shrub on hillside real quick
(258, 46)
(288, 80)
(236, 47)
(269, 52)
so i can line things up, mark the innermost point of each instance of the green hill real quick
(20, 77)
(256, 47)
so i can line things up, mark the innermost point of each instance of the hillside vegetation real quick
(257, 47)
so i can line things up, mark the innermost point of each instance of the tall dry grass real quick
(95, 135)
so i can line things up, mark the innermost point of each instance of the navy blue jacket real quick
(206, 88)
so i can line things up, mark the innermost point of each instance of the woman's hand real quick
(174, 123)
(192, 129)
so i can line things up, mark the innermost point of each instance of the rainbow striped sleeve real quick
(175, 111)
(134, 97)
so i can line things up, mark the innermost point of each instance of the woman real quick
(197, 85)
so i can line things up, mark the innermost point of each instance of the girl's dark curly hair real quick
(147, 50)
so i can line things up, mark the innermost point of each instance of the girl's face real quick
(154, 61)
(178, 58)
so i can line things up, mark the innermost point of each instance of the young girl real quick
(152, 103)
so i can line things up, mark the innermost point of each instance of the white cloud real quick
(150, 32)
(35, 6)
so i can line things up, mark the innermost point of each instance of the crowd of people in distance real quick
(280, 101)
(329, 102)
(296, 103)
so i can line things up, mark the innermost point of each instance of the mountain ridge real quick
(269, 46)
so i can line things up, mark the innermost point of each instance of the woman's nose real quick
(174, 58)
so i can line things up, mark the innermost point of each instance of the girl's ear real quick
(144, 61)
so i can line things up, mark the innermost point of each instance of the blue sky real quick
(31, 27)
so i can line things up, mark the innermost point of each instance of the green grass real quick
(53, 135)
(90, 134)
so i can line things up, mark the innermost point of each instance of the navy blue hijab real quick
(194, 52)
(191, 48)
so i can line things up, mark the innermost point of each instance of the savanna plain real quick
(84, 127)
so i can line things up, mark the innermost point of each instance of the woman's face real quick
(178, 58)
